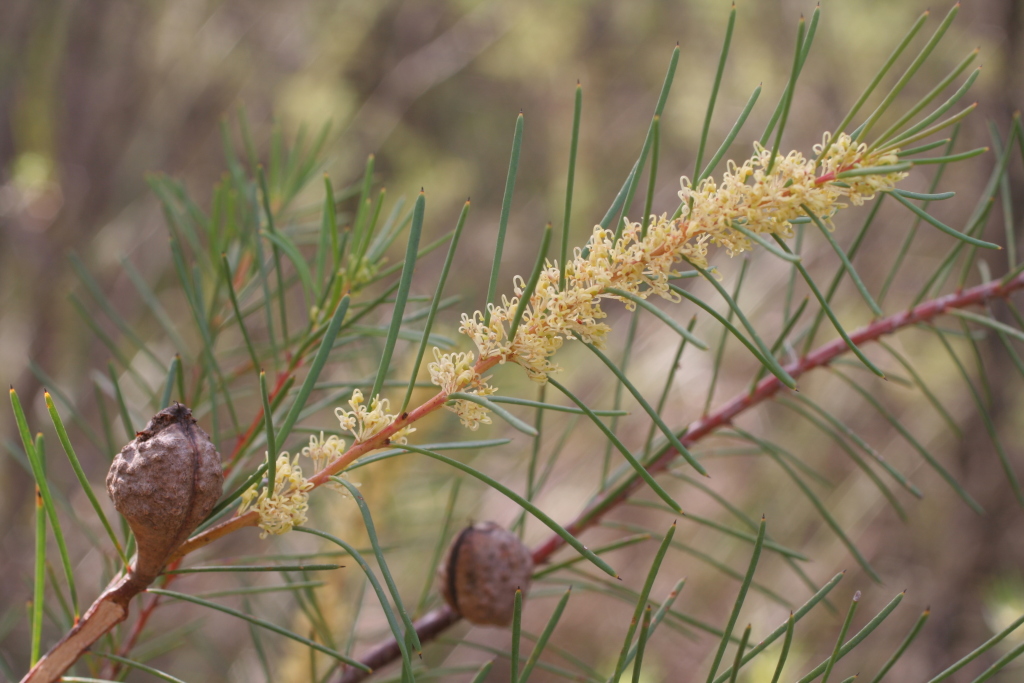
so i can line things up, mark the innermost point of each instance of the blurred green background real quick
(94, 95)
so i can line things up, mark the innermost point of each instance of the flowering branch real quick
(763, 195)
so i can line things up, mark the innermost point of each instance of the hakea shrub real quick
(764, 195)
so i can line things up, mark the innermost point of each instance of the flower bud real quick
(165, 482)
(484, 567)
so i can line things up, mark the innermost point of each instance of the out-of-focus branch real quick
(435, 622)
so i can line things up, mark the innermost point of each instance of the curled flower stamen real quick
(286, 507)
(455, 372)
(365, 423)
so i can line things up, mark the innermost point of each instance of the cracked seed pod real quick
(165, 482)
(484, 567)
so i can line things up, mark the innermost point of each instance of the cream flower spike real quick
(760, 195)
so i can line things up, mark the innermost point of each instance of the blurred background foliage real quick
(96, 95)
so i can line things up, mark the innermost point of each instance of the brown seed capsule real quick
(165, 482)
(484, 567)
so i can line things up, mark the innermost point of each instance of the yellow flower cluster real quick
(763, 202)
(365, 423)
(322, 451)
(454, 372)
(752, 195)
(286, 507)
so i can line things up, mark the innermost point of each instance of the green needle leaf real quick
(739, 602)
(172, 374)
(661, 315)
(925, 196)
(739, 654)
(905, 433)
(845, 259)
(729, 326)
(942, 160)
(62, 435)
(512, 400)
(765, 244)
(402, 295)
(37, 462)
(764, 352)
(411, 637)
(39, 585)
(141, 667)
(286, 245)
(257, 568)
(275, 248)
(831, 314)
(326, 344)
(978, 651)
(229, 279)
(645, 593)
(621, 543)
(714, 90)
(665, 429)
(909, 73)
(1002, 662)
(856, 640)
(434, 303)
(640, 470)
(506, 208)
(268, 422)
(943, 227)
(517, 630)
(842, 634)
(729, 138)
(903, 647)
(481, 675)
(531, 285)
(498, 410)
(788, 98)
(569, 184)
(786, 627)
(785, 649)
(641, 644)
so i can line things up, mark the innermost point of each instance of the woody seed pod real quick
(484, 567)
(165, 482)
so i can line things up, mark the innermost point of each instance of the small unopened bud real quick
(165, 482)
(484, 567)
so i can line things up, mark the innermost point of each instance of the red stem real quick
(435, 622)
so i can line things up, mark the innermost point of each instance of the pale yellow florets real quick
(767, 203)
(364, 424)
(287, 506)
(454, 372)
(748, 195)
(323, 451)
